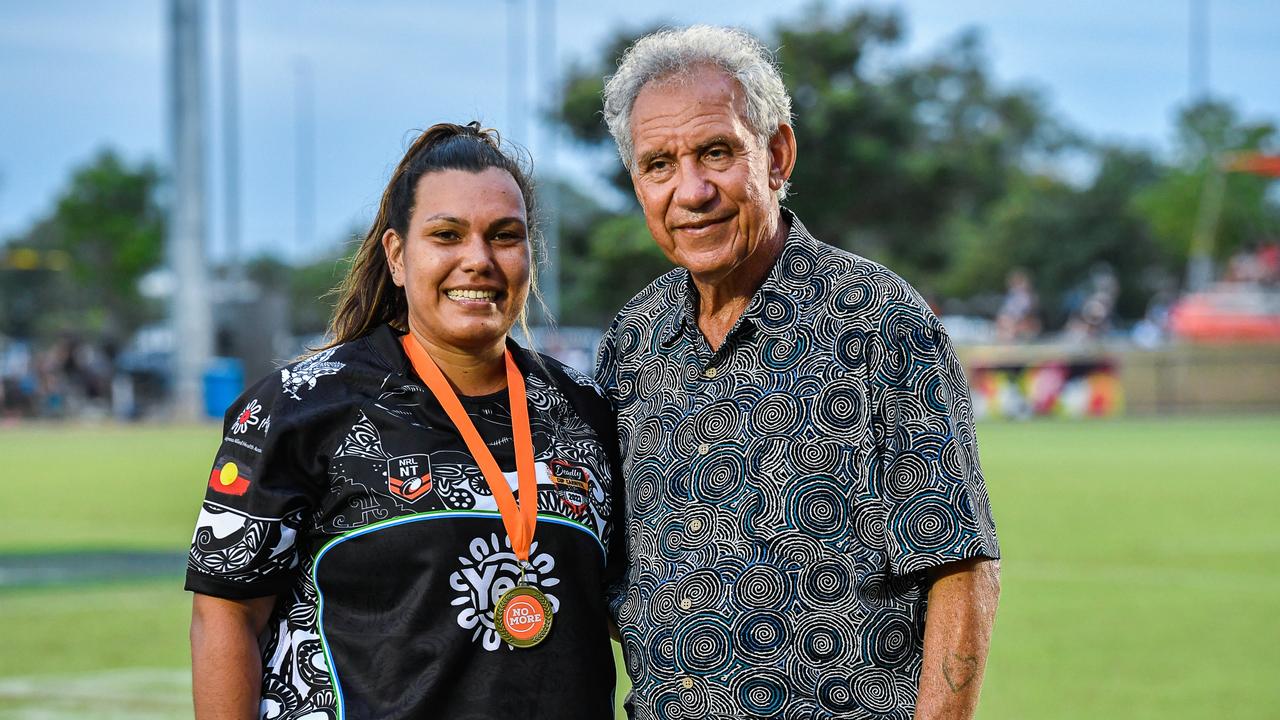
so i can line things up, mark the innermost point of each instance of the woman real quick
(413, 522)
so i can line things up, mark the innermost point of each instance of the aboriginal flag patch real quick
(229, 477)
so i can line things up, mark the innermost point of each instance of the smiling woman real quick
(380, 529)
(369, 295)
(464, 265)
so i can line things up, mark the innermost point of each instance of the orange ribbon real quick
(520, 519)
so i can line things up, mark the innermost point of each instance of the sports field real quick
(1141, 577)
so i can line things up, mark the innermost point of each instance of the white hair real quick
(668, 54)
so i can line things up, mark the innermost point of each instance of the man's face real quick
(706, 185)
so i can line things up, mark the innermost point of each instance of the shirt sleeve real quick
(931, 485)
(258, 491)
(619, 562)
(606, 363)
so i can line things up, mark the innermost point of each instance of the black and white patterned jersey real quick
(342, 488)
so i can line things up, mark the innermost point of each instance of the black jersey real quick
(343, 488)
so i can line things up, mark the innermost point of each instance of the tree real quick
(580, 107)
(106, 231)
(890, 151)
(605, 257)
(1061, 233)
(1207, 133)
(309, 288)
(929, 166)
(620, 259)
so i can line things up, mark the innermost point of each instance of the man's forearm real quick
(957, 636)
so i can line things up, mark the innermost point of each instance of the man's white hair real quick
(670, 54)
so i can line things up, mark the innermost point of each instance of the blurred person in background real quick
(1018, 319)
(801, 469)
(1093, 318)
(414, 521)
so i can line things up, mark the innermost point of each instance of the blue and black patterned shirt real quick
(786, 492)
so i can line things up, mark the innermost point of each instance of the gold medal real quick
(522, 616)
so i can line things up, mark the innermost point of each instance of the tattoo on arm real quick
(959, 674)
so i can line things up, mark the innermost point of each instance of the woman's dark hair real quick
(367, 296)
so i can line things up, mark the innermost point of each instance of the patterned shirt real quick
(342, 488)
(786, 492)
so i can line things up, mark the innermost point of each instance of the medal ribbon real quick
(520, 519)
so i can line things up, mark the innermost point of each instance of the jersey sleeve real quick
(929, 478)
(619, 562)
(266, 476)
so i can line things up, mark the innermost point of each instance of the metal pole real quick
(192, 320)
(517, 70)
(1200, 261)
(549, 276)
(1198, 51)
(231, 136)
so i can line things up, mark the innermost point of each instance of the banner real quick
(1073, 389)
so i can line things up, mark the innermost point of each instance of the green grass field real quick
(1141, 574)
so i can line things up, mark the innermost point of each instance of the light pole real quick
(550, 82)
(231, 137)
(192, 322)
(517, 70)
(1198, 50)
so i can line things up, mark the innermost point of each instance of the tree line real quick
(925, 164)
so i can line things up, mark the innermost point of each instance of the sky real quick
(80, 75)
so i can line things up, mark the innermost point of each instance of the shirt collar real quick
(683, 318)
(385, 342)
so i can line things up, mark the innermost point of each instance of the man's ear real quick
(782, 156)
(393, 246)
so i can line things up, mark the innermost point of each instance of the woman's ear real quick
(392, 246)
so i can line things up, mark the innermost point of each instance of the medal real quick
(522, 616)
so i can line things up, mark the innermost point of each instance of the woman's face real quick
(464, 264)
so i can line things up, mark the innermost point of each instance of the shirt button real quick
(686, 603)
(695, 524)
(709, 372)
(686, 683)
(703, 449)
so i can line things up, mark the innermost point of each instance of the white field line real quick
(136, 694)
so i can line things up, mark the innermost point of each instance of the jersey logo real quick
(247, 418)
(488, 571)
(572, 484)
(409, 476)
(228, 478)
(307, 372)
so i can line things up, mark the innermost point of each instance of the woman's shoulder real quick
(566, 378)
(330, 376)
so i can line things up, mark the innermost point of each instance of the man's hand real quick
(957, 636)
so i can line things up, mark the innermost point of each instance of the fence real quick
(1104, 380)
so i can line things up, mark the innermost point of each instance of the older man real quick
(802, 473)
